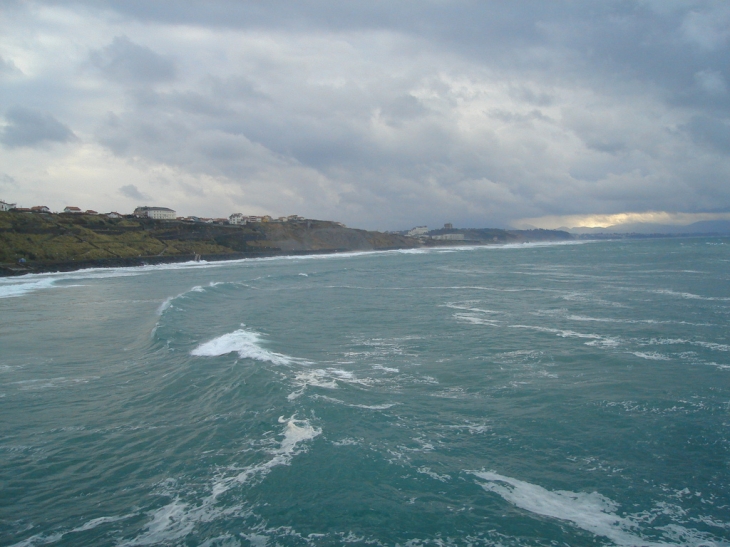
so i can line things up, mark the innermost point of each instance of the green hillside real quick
(62, 241)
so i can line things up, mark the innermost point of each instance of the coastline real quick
(47, 243)
(11, 271)
(16, 270)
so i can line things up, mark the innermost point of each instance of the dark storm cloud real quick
(127, 62)
(408, 112)
(711, 131)
(30, 128)
(131, 191)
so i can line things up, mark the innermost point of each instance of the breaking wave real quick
(591, 512)
(248, 346)
(177, 519)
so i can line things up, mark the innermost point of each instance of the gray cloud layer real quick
(392, 115)
(127, 62)
(26, 127)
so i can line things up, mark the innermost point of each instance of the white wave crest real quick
(654, 356)
(41, 539)
(326, 378)
(177, 519)
(596, 339)
(474, 319)
(13, 288)
(591, 512)
(688, 295)
(246, 344)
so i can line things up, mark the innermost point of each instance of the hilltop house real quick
(237, 218)
(74, 210)
(40, 209)
(6, 206)
(157, 213)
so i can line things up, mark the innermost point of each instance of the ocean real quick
(531, 395)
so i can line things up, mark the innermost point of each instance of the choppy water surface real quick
(530, 395)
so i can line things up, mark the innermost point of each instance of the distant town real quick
(156, 213)
(165, 213)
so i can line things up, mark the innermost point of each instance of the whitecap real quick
(325, 378)
(689, 296)
(168, 301)
(591, 512)
(386, 369)
(178, 519)
(12, 288)
(654, 356)
(681, 341)
(596, 339)
(474, 319)
(433, 474)
(246, 344)
(41, 539)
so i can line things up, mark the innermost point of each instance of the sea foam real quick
(178, 519)
(591, 512)
(246, 344)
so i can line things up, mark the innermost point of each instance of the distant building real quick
(113, 214)
(448, 226)
(90, 212)
(157, 213)
(40, 209)
(266, 218)
(6, 206)
(238, 218)
(449, 237)
(74, 210)
(418, 231)
(292, 218)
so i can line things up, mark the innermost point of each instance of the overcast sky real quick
(378, 114)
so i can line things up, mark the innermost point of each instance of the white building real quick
(157, 213)
(6, 206)
(418, 231)
(238, 218)
(71, 209)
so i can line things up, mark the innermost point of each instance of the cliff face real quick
(60, 242)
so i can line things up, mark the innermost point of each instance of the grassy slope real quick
(64, 238)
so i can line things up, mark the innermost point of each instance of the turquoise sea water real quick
(529, 395)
